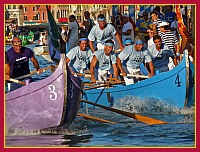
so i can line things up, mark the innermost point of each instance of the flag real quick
(56, 43)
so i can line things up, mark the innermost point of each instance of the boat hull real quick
(169, 87)
(44, 104)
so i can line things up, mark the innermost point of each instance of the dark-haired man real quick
(18, 59)
(104, 59)
(102, 32)
(79, 57)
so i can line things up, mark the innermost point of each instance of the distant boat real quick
(174, 87)
(52, 102)
(42, 51)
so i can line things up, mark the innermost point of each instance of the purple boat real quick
(52, 102)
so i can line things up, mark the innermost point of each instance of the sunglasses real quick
(17, 43)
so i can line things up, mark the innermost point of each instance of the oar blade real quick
(138, 117)
(148, 120)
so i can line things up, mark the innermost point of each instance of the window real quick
(35, 17)
(9, 7)
(43, 16)
(25, 9)
(14, 6)
(38, 16)
(25, 18)
(34, 9)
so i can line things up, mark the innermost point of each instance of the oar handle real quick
(137, 75)
(17, 81)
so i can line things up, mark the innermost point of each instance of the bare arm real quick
(7, 71)
(67, 61)
(118, 37)
(115, 72)
(177, 47)
(36, 64)
(91, 46)
(92, 66)
(119, 66)
(154, 29)
(151, 66)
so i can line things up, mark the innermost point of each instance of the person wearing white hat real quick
(170, 40)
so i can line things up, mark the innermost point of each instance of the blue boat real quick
(175, 87)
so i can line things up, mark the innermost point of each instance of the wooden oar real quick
(145, 119)
(108, 84)
(135, 75)
(34, 72)
(95, 118)
(17, 81)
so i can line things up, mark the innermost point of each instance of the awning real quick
(64, 19)
(30, 23)
(10, 20)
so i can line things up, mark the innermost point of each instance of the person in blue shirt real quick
(169, 15)
(18, 59)
(104, 59)
(79, 57)
(160, 54)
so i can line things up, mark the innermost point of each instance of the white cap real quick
(163, 23)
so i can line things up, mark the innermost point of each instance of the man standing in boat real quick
(160, 54)
(104, 59)
(79, 57)
(102, 32)
(18, 60)
(134, 56)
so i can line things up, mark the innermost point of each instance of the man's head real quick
(72, 18)
(125, 18)
(138, 43)
(17, 44)
(101, 20)
(157, 40)
(145, 16)
(83, 43)
(87, 15)
(108, 47)
(154, 15)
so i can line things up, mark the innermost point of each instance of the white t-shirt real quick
(125, 28)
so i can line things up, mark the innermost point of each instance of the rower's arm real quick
(92, 66)
(91, 46)
(7, 71)
(36, 64)
(115, 71)
(119, 66)
(67, 61)
(151, 69)
(118, 37)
